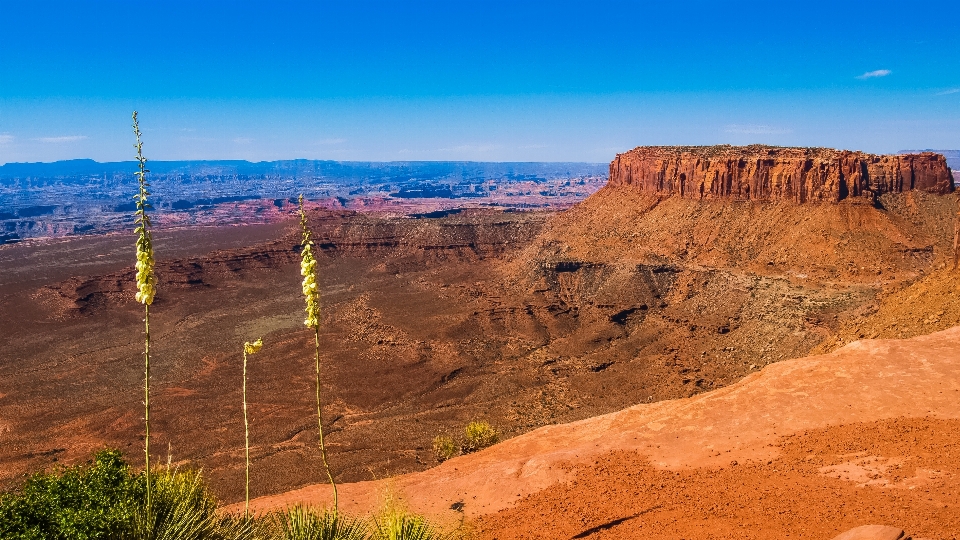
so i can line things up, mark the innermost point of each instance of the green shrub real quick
(479, 435)
(88, 501)
(444, 448)
(305, 523)
(104, 500)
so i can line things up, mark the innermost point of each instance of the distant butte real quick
(773, 173)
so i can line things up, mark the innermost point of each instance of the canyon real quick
(649, 294)
(84, 197)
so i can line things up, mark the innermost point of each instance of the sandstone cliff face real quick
(776, 173)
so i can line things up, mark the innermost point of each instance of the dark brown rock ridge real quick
(772, 173)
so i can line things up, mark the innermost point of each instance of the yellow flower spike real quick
(308, 269)
(252, 348)
(146, 289)
(145, 276)
(311, 293)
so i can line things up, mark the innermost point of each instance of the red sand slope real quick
(811, 446)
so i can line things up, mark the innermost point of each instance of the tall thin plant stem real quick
(323, 448)
(146, 287)
(311, 292)
(146, 396)
(248, 348)
(246, 436)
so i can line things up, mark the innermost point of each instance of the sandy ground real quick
(805, 448)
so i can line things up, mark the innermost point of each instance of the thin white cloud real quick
(6, 138)
(948, 92)
(875, 73)
(60, 140)
(243, 140)
(756, 129)
(532, 146)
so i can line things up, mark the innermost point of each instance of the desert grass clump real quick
(184, 509)
(146, 285)
(311, 293)
(396, 523)
(444, 447)
(181, 508)
(248, 348)
(479, 434)
(304, 523)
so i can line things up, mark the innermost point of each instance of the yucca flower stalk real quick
(248, 348)
(311, 293)
(146, 285)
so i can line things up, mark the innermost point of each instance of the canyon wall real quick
(776, 173)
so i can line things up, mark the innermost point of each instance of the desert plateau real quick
(721, 341)
(494, 270)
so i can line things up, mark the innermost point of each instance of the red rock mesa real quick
(776, 173)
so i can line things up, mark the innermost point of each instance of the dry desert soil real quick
(620, 347)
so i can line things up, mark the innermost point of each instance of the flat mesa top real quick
(753, 150)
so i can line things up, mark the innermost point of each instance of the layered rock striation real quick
(772, 173)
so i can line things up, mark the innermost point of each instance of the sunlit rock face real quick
(775, 173)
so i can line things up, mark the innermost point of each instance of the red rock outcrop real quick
(776, 173)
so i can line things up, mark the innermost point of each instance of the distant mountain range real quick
(306, 168)
(83, 196)
(383, 171)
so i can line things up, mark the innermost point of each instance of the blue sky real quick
(491, 81)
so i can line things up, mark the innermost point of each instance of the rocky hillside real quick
(523, 319)
(773, 173)
(808, 447)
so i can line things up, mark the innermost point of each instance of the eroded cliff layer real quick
(776, 173)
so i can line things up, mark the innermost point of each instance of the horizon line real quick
(291, 159)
